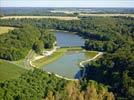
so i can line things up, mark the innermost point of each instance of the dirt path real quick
(82, 62)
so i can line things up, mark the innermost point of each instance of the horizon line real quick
(61, 7)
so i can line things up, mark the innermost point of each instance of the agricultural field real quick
(107, 15)
(5, 29)
(39, 17)
(9, 71)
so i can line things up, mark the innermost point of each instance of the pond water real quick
(67, 39)
(68, 64)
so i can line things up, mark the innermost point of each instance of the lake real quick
(67, 39)
(68, 64)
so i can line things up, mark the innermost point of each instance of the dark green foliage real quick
(97, 28)
(16, 44)
(38, 85)
(48, 39)
(117, 70)
(32, 85)
(38, 46)
(108, 46)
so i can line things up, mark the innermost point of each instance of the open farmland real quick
(108, 15)
(39, 17)
(4, 29)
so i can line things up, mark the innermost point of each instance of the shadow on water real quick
(79, 74)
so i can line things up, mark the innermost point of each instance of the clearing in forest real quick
(5, 29)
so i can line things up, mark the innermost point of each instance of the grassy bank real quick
(19, 63)
(59, 53)
(90, 54)
(73, 48)
(24, 63)
(9, 71)
(45, 60)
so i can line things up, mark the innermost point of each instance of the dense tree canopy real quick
(37, 85)
(17, 43)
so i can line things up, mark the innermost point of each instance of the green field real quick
(4, 29)
(9, 71)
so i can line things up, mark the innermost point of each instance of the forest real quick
(16, 44)
(112, 35)
(37, 85)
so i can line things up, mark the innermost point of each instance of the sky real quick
(66, 3)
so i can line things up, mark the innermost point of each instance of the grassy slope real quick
(9, 70)
(4, 29)
(90, 54)
(49, 59)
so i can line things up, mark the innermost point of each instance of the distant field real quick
(4, 29)
(104, 15)
(39, 17)
(66, 17)
(9, 71)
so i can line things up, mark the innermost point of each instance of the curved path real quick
(82, 62)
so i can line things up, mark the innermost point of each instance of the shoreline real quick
(62, 77)
(82, 62)
(45, 54)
